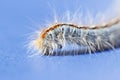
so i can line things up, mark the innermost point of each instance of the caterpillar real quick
(72, 39)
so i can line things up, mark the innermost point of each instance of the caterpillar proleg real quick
(72, 39)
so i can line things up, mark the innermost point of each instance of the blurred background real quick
(20, 18)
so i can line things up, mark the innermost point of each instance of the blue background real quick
(19, 18)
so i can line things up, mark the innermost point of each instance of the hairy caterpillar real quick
(73, 39)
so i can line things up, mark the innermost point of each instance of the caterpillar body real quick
(72, 39)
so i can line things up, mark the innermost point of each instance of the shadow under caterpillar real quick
(71, 39)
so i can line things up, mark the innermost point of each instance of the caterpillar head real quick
(47, 43)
